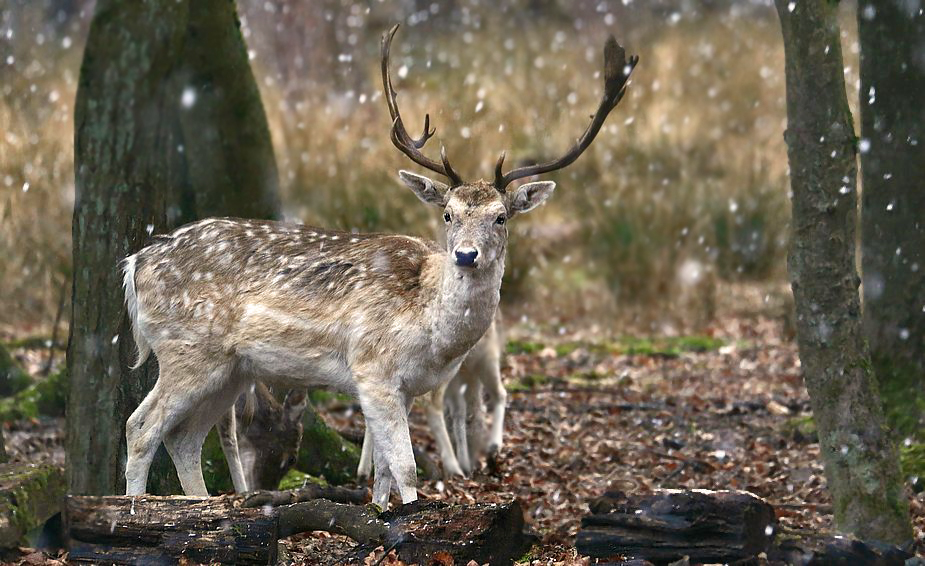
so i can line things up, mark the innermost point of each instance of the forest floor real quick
(723, 410)
(726, 410)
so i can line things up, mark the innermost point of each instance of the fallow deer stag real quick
(222, 302)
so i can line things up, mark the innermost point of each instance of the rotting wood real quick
(30, 494)
(818, 549)
(163, 530)
(707, 526)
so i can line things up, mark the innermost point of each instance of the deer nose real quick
(466, 256)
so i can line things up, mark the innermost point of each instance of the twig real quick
(681, 467)
(387, 551)
(54, 330)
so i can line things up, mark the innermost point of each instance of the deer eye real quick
(500, 220)
(446, 216)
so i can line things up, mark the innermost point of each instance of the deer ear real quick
(294, 405)
(530, 195)
(428, 190)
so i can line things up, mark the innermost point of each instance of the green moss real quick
(524, 347)
(294, 479)
(667, 347)
(527, 383)
(325, 453)
(801, 427)
(596, 348)
(12, 377)
(214, 466)
(567, 348)
(528, 556)
(29, 495)
(903, 398)
(698, 343)
(47, 397)
(320, 397)
(912, 459)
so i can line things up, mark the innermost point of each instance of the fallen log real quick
(816, 549)
(163, 530)
(665, 526)
(29, 495)
(486, 533)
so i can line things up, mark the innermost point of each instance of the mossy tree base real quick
(29, 496)
(325, 453)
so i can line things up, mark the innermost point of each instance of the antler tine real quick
(400, 138)
(419, 143)
(450, 172)
(616, 72)
(499, 176)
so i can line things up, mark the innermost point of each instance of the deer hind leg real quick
(387, 417)
(456, 406)
(144, 431)
(205, 405)
(437, 423)
(476, 431)
(366, 456)
(497, 401)
(228, 435)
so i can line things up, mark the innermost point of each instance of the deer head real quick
(476, 213)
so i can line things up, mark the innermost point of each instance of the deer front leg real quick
(437, 423)
(387, 418)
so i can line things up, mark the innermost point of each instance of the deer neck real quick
(464, 305)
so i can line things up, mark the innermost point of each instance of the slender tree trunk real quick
(892, 36)
(861, 463)
(169, 127)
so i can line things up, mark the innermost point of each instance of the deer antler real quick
(616, 72)
(400, 137)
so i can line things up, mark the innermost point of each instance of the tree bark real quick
(892, 38)
(861, 463)
(168, 127)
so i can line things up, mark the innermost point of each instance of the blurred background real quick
(681, 201)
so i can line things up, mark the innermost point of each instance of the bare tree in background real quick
(892, 37)
(169, 127)
(861, 463)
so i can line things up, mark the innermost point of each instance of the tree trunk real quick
(892, 37)
(861, 464)
(164, 133)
